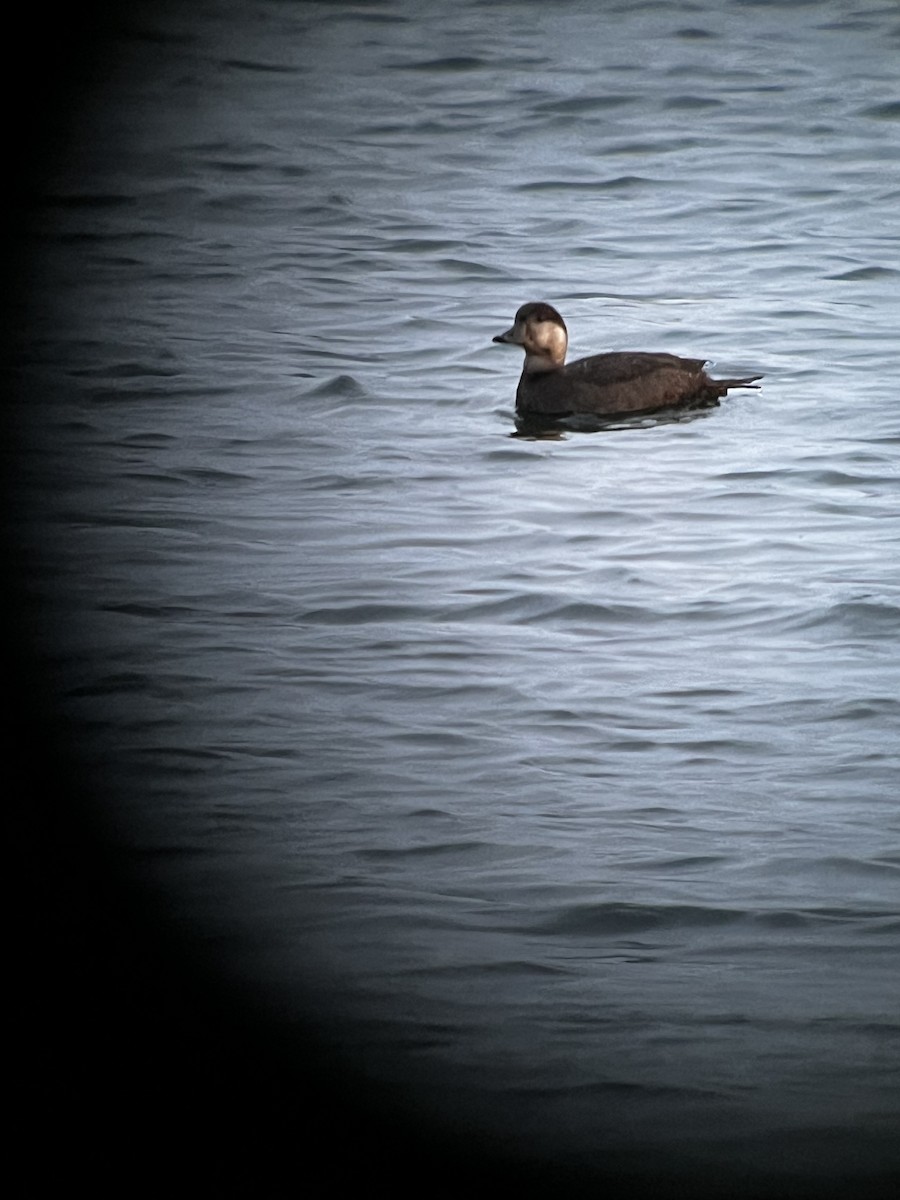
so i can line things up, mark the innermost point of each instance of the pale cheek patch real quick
(547, 337)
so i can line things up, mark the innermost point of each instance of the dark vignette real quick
(139, 1070)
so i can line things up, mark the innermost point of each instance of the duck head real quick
(541, 332)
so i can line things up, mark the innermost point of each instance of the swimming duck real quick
(604, 384)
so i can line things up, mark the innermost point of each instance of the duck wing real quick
(620, 366)
(609, 384)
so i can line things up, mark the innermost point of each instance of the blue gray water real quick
(562, 774)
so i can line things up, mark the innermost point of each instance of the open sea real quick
(548, 786)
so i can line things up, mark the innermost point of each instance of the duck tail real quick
(749, 382)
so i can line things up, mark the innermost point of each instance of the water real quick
(560, 773)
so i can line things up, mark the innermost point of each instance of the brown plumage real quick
(605, 384)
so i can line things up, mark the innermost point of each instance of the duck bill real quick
(509, 336)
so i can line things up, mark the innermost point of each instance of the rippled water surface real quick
(561, 772)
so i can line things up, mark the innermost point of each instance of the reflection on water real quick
(539, 427)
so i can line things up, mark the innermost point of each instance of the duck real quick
(615, 384)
